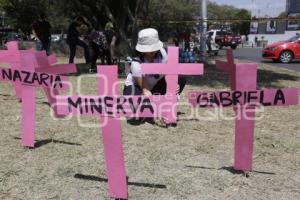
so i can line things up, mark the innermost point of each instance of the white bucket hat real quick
(148, 41)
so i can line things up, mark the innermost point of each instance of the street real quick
(254, 55)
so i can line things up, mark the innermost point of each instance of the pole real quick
(203, 30)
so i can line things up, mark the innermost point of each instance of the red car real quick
(284, 51)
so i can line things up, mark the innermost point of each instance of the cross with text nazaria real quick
(172, 69)
(244, 98)
(109, 106)
(27, 79)
(44, 65)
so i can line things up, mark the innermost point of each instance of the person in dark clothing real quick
(73, 39)
(208, 42)
(187, 39)
(256, 41)
(103, 44)
(42, 32)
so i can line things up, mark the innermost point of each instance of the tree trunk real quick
(141, 12)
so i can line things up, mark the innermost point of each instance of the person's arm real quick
(34, 34)
(136, 72)
(143, 85)
(33, 27)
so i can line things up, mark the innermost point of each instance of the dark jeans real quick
(187, 46)
(103, 54)
(43, 46)
(208, 44)
(159, 89)
(73, 45)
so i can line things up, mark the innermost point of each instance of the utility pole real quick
(203, 30)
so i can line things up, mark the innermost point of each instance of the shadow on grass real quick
(229, 169)
(40, 143)
(216, 78)
(5, 95)
(234, 171)
(99, 179)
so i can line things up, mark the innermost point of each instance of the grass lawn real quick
(191, 161)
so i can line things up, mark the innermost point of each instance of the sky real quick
(260, 8)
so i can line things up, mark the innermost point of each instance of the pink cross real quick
(172, 69)
(12, 56)
(243, 78)
(112, 108)
(45, 65)
(23, 74)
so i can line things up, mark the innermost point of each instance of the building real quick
(292, 7)
(277, 30)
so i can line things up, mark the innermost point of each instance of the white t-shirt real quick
(136, 71)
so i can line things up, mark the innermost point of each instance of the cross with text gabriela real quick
(244, 98)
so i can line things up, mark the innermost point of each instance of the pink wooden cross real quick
(12, 56)
(243, 78)
(109, 106)
(28, 80)
(172, 69)
(45, 65)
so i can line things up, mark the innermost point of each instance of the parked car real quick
(226, 39)
(56, 37)
(284, 51)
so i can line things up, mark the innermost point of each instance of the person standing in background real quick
(103, 44)
(73, 39)
(41, 30)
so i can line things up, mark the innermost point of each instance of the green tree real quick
(283, 14)
(21, 14)
(242, 27)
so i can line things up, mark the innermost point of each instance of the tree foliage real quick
(223, 12)
(21, 14)
(123, 13)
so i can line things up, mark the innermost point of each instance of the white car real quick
(56, 38)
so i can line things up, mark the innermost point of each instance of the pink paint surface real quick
(291, 97)
(243, 77)
(52, 59)
(46, 66)
(13, 48)
(112, 138)
(30, 61)
(28, 116)
(172, 69)
(158, 103)
(24, 73)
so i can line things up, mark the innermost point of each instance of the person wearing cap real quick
(150, 50)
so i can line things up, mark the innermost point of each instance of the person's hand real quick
(146, 92)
